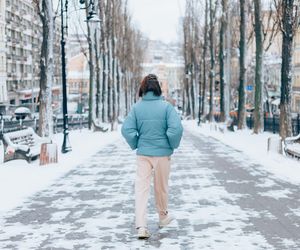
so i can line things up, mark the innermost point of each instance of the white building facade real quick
(296, 76)
(20, 46)
(166, 61)
(3, 88)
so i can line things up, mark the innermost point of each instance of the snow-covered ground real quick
(19, 179)
(254, 146)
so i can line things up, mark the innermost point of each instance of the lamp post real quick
(66, 146)
(91, 19)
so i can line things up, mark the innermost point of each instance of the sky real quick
(158, 19)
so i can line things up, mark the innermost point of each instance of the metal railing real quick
(77, 122)
(271, 124)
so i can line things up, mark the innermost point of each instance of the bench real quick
(22, 144)
(98, 127)
(292, 146)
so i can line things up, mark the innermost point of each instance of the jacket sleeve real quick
(129, 129)
(174, 127)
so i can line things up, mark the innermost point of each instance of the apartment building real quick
(78, 72)
(296, 78)
(272, 67)
(78, 80)
(22, 39)
(3, 89)
(166, 61)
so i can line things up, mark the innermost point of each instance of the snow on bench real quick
(99, 127)
(23, 144)
(292, 146)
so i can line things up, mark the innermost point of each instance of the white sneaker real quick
(166, 221)
(143, 233)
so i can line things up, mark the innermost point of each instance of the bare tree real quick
(188, 64)
(91, 61)
(265, 30)
(288, 14)
(212, 73)
(242, 59)
(204, 54)
(121, 55)
(223, 59)
(192, 57)
(258, 110)
(45, 11)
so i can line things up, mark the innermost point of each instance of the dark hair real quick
(150, 83)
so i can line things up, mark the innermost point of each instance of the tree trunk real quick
(242, 48)
(103, 38)
(204, 75)
(186, 92)
(200, 91)
(192, 93)
(126, 95)
(187, 98)
(98, 80)
(212, 62)
(114, 64)
(109, 60)
(46, 70)
(118, 90)
(258, 111)
(223, 61)
(228, 46)
(90, 38)
(286, 69)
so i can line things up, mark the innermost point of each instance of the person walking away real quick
(154, 129)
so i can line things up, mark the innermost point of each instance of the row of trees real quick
(45, 11)
(115, 56)
(215, 32)
(115, 59)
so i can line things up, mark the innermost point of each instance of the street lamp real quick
(92, 16)
(92, 19)
(66, 146)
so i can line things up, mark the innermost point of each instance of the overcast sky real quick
(158, 19)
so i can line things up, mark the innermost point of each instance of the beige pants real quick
(161, 169)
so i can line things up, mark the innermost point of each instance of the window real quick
(297, 81)
(297, 105)
(2, 97)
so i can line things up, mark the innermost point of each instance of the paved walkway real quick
(220, 198)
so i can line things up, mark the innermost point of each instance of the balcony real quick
(296, 88)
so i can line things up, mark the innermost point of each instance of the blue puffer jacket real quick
(152, 127)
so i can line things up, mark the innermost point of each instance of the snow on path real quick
(19, 179)
(220, 201)
(254, 146)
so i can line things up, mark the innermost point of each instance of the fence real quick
(77, 122)
(271, 124)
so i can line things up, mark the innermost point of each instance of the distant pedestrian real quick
(154, 128)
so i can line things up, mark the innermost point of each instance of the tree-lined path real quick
(220, 198)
